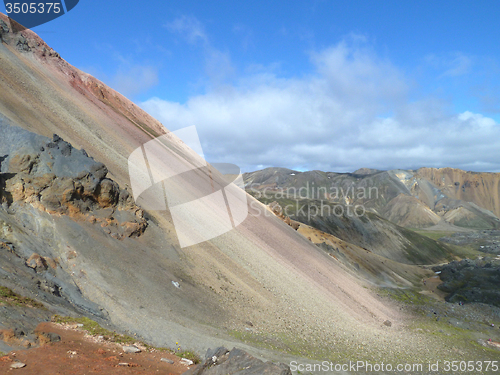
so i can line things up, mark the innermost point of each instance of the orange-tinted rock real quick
(37, 262)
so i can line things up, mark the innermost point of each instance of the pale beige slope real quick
(410, 212)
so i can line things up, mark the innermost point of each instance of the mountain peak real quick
(24, 40)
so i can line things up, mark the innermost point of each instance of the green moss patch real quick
(189, 355)
(11, 298)
(95, 329)
(435, 235)
(409, 296)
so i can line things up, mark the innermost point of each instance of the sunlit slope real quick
(263, 272)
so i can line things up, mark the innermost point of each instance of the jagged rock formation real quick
(42, 178)
(22, 338)
(52, 176)
(278, 211)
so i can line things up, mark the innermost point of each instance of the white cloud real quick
(188, 27)
(353, 112)
(459, 65)
(453, 65)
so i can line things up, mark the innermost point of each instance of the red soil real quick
(91, 357)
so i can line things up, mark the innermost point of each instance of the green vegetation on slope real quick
(189, 355)
(435, 235)
(11, 298)
(421, 248)
(94, 328)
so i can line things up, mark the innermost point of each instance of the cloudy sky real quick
(329, 85)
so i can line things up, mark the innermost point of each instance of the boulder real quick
(131, 349)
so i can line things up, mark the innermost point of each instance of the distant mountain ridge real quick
(413, 199)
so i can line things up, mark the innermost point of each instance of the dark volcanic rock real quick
(48, 336)
(471, 281)
(4, 29)
(224, 362)
(52, 176)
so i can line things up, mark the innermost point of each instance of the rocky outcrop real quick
(22, 338)
(471, 281)
(278, 211)
(224, 362)
(24, 40)
(52, 176)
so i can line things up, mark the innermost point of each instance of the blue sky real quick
(330, 85)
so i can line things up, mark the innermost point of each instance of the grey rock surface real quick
(131, 349)
(54, 177)
(224, 362)
(469, 281)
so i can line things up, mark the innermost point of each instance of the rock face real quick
(224, 362)
(278, 211)
(43, 180)
(52, 176)
(22, 338)
(471, 281)
(26, 41)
